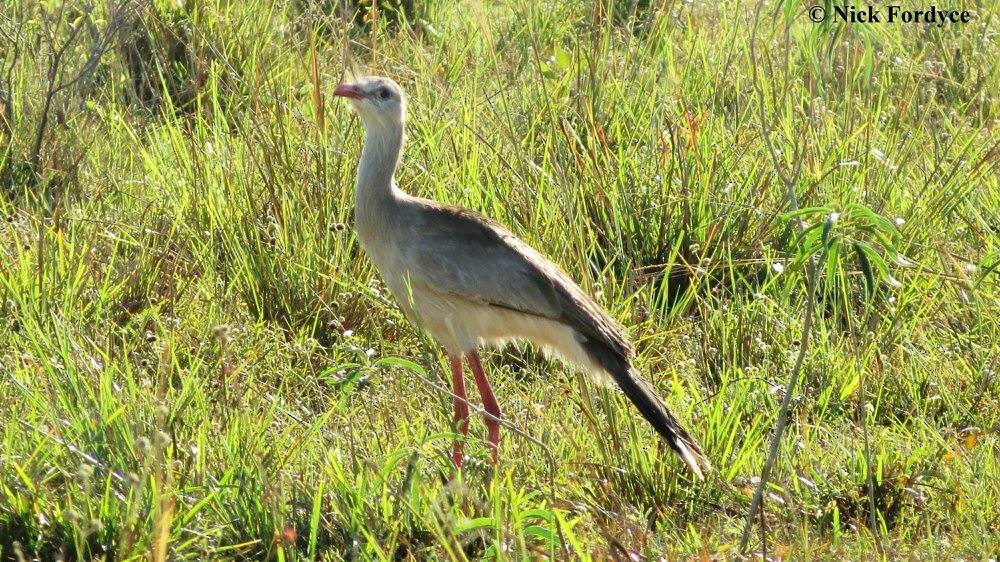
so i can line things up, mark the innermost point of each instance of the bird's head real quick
(379, 101)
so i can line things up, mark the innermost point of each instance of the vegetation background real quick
(198, 363)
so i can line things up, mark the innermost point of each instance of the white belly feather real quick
(461, 326)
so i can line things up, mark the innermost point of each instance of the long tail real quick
(657, 414)
(613, 357)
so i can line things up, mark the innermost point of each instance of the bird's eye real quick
(384, 93)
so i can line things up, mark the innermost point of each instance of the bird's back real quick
(459, 255)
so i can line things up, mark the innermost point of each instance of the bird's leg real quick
(461, 403)
(489, 402)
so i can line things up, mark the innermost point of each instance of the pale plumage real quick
(469, 282)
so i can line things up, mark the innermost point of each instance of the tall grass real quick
(198, 362)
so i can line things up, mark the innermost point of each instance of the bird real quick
(471, 283)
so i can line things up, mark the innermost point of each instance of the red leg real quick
(461, 404)
(489, 402)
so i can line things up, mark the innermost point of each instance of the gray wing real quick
(462, 254)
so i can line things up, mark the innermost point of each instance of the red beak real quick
(348, 91)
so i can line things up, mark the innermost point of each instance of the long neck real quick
(380, 156)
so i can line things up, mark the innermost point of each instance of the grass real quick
(198, 362)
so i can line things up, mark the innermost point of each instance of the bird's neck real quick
(380, 156)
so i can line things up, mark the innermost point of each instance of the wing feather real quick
(461, 253)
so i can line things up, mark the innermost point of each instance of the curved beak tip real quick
(348, 91)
